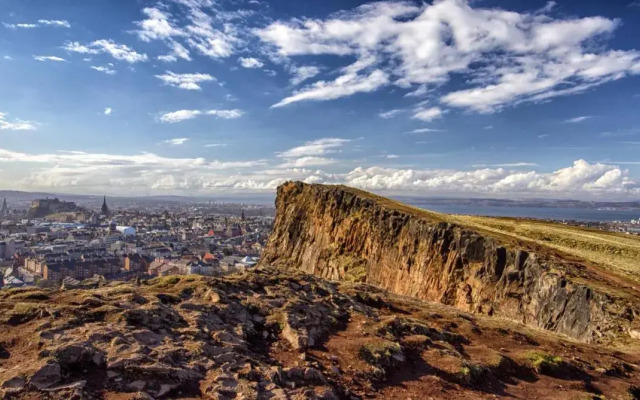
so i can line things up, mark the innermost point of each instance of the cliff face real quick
(344, 234)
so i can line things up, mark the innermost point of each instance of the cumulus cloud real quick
(82, 171)
(250, 62)
(592, 179)
(118, 51)
(185, 81)
(183, 115)
(197, 24)
(156, 25)
(507, 57)
(108, 111)
(16, 124)
(49, 58)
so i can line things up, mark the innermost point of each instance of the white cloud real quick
(503, 57)
(16, 124)
(53, 22)
(21, 26)
(428, 114)
(49, 58)
(307, 161)
(104, 69)
(8, 58)
(199, 24)
(345, 85)
(250, 62)
(582, 178)
(177, 51)
(180, 115)
(146, 172)
(319, 147)
(301, 74)
(40, 23)
(578, 119)
(108, 111)
(176, 141)
(156, 26)
(390, 113)
(185, 81)
(215, 145)
(118, 51)
(77, 171)
(425, 130)
(183, 115)
(506, 165)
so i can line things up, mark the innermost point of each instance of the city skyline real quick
(196, 97)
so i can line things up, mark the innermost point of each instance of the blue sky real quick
(196, 97)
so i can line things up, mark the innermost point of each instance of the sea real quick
(554, 213)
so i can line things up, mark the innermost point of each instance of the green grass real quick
(544, 362)
(381, 353)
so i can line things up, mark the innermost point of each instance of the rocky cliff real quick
(346, 234)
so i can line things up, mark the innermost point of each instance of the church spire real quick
(105, 209)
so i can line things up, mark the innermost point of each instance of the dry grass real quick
(616, 252)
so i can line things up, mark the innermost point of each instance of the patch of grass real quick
(544, 362)
(402, 326)
(30, 295)
(472, 374)
(165, 281)
(21, 313)
(382, 353)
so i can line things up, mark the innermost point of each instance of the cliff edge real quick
(342, 233)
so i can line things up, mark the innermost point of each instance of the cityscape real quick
(57, 242)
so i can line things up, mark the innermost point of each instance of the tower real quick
(242, 215)
(4, 210)
(105, 209)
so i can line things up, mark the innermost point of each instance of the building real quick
(4, 210)
(104, 210)
(126, 230)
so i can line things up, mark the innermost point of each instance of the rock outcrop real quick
(274, 334)
(346, 234)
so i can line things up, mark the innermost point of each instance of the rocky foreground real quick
(268, 334)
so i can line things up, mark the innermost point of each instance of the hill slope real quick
(268, 334)
(577, 282)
